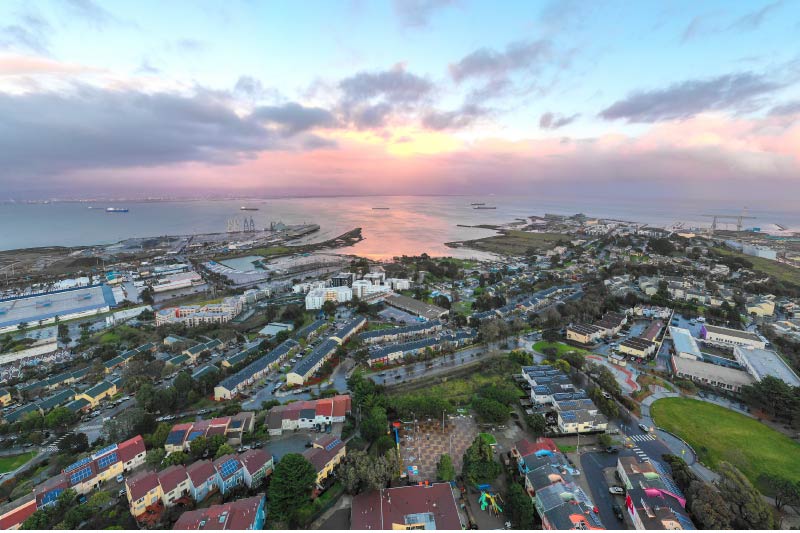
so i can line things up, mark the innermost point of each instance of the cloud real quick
(92, 12)
(190, 45)
(465, 116)
(293, 118)
(551, 121)
(740, 91)
(753, 20)
(29, 34)
(26, 65)
(489, 63)
(418, 13)
(789, 108)
(43, 133)
(369, 99)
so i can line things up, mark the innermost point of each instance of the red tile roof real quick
(382, 509)
(341, 405)
(240, 514)
(200, 472)
(15, 517)
(171, 477)
(324, 407)
(254, 459)
(142, 483)
(131, 448)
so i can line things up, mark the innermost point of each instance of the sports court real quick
(421, 449)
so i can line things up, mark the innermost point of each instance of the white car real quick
(616, 490)
(644, 428)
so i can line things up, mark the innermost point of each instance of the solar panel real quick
(194, 434)
(109, 459)
(77, 464)
(104, 451)
(332, 445)
(568, 416)
(80, 475)
(229, 467)
(176, 437)
(52, 496)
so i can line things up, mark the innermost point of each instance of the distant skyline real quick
(200, 98)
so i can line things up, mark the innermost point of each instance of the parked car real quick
(617, 511)
(612, 449)
(616, 490)
(122, 492)
(120, 478)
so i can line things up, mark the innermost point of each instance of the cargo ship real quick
(245, 208)
(484, 207)
(477, 203)
(382, 208)
(116, 209)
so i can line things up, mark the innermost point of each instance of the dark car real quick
(612, 449)
(617, 511)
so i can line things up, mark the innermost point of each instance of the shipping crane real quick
(737, 218)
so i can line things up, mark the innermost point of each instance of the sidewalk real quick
(345, 502)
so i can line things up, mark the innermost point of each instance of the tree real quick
(490, 410)
(198, 446)
(708, 509)
(225, 449)
(479, 464)
(99, 499)
(361, 471)
(176, 458)
(785, 491)
(290, 487)
(159, 436)
(59, 418)
(155, 457)
(536, 424)
(521, 507)
(214, 443)
(445, 471)
(74, 443)
(147, 296)
(329, 307)
(604, 440)
(374, 424)
(748, 506)
(63, 333)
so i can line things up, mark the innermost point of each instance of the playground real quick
(423, 443)
(719, 434)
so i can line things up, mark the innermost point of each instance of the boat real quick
(484, 207)
(382, 208)
(116, 209)
(245, 208)
(477, 203)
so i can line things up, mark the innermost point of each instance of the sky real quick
(200, 98)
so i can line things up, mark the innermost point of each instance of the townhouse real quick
(652, 500)
(96, 394)
(394, 352)
(399, 333)
(313, 362)
(325, 454)
(414, 507)
(312, 414)
(244, 514)
(232, 385)
(231, 427)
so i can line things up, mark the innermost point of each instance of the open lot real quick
(423, 443)
(514, 242)
(560, 347)
(718, 434)
(780, 271)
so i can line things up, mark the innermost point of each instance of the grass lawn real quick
(12, 462)
(567, 448)
(718, 434)
(559, 346)
(780, 271)
(488, 438)
(514, 242)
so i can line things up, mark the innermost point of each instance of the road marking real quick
(643, 438)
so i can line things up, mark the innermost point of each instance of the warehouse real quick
(731, 337)
(66, 304)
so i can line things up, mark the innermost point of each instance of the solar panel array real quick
(176, 437)
(77, 464)
(194, 434)
(104, 451)
(80, 475)
(229, 467)
(332, 445)
(52, 496)
(568, 416)
(107, 460)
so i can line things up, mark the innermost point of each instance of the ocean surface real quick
(412, 224)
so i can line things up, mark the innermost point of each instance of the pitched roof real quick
(199, 472)
(171, 477)
(142, 483)
(239, 514)
(131, 448)
(253, 460)
(433, 506)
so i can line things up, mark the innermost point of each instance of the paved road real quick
(592, 465)
(426, 369)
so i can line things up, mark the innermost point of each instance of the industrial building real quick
(44, 308)
(761, 363)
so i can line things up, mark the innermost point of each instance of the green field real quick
(12, 462)
(718, 434)
(515, 242)
(779, 271)
(560, 347)
(488, 438)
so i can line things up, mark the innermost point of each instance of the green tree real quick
(198, 446)
(536, 424)
(290, 487)
(706, 506)
(445, 471)
(99, 499)
(59, 418)
(155, 458)
(374, 424)
(479, 464)
(521, 507)
(785, 491)
(362, 471)
(214, 443)
(159, 436)
(329, 307)
(748, 506)
(176, 458)
(225, 449)
(490, 410)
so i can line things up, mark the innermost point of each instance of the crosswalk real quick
(643, 438)
(640, 454)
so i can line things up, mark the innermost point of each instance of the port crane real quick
(737, 218)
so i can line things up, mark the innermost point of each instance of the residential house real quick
(244, 514)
